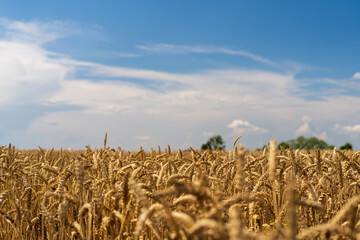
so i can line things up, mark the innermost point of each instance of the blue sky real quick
(177, 72)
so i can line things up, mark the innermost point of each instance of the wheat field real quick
(163, 194)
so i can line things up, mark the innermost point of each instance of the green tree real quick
(302, 143)
(284, 145)
(214, 143)
(346, 146)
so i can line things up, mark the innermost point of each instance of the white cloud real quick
(208, 134)
(355, 128)
(322, 136)
(172, 104)
(28, 74)
(169, 48)
(349, 129)
(240, 127)
(142, 138)
(27, 67)
(356, 75)
(305, 128)
(175, 91)
(102, 98)
(239, 123)
(306, 119)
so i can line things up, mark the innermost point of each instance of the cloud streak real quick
(177, 49)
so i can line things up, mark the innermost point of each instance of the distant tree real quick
(314, 142)
(283, 145)
(330, 147)
(302, 143)
(214, 143)
(346, 146)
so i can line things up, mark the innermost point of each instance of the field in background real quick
(113, 194)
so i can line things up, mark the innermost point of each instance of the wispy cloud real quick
(169, 48)
(36, 32)
(112, 54)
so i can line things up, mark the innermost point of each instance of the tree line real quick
(301, 142)
(309, 143)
